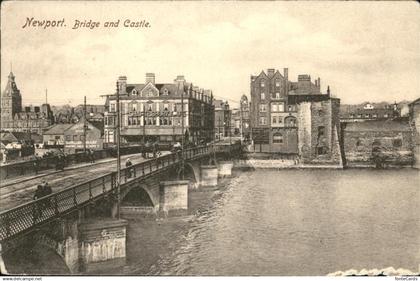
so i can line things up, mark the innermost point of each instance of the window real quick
(277, 96)
(263, 108)
(112, 107)
(165, 107)
(277, 107)
(68, 138)
(262, 96)
(57, 137)
(165, 92)
(277, 82)
(263, 121)
(75, 138)
(277, 138)
(359, 115)
(321, 131)
(397, 143)
(375, 115)
(134, 106)
(274, 120)
(262, 83)
(385, 115)
(150, 107)
(290, 121)
(134, 92)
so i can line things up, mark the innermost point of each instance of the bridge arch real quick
(191, 172)
(143, 194)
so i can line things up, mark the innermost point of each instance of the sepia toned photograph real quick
(210, 138)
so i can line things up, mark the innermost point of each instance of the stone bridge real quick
(87, 216)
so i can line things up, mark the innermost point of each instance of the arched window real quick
(277, 138)
(290, 121)
(134, 92)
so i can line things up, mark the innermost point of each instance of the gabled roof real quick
(57, 129)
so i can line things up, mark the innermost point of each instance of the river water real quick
(289, 222)
(267, 222)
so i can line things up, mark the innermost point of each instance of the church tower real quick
(11, 102)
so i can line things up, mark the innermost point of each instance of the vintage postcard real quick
(210, 138)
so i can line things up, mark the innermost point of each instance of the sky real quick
(365, 51)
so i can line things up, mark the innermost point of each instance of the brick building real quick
(294, 119)
(15, 118)
(153, 111)
(222, 119)
(389, 142)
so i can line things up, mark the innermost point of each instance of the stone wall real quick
(319, 133)
(393, 147)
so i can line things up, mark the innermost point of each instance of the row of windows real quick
(277, 83)
(276, 107)
(289, 121)
(374, 115)
(395, 143)
(273, 96)
(134, 121)
(149, 107)
(75, 137)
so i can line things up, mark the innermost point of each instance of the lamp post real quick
(118, 154)
(182, 135)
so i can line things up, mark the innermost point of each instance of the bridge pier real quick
(209, 174)
(102, 244)
(225, 168)
(173, 197)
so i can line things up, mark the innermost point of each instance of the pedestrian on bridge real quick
(37, 208)
(128, 165)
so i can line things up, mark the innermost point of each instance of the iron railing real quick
(25, 217)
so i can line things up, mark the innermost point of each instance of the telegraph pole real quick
(84, 126)
(241, 122)
(182, 135)
(118, 153)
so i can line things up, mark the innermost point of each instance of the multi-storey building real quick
(158, 111)
(222, 119)
(16, 119)
(293, 119)
(369, 112)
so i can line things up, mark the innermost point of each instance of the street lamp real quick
(118, 153)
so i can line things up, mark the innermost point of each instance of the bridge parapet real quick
(24, 218)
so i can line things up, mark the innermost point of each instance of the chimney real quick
(319, 83)
(150, 78)
(286, 73)
(122, 84)
(27, 109)
(270, 72)
(180, 81)
(36, 109)
(328, 90)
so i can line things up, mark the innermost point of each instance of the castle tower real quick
(11, 102)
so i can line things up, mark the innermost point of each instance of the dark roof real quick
(415, 101)
(57, 129)
(17, 136)
(378, 125)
